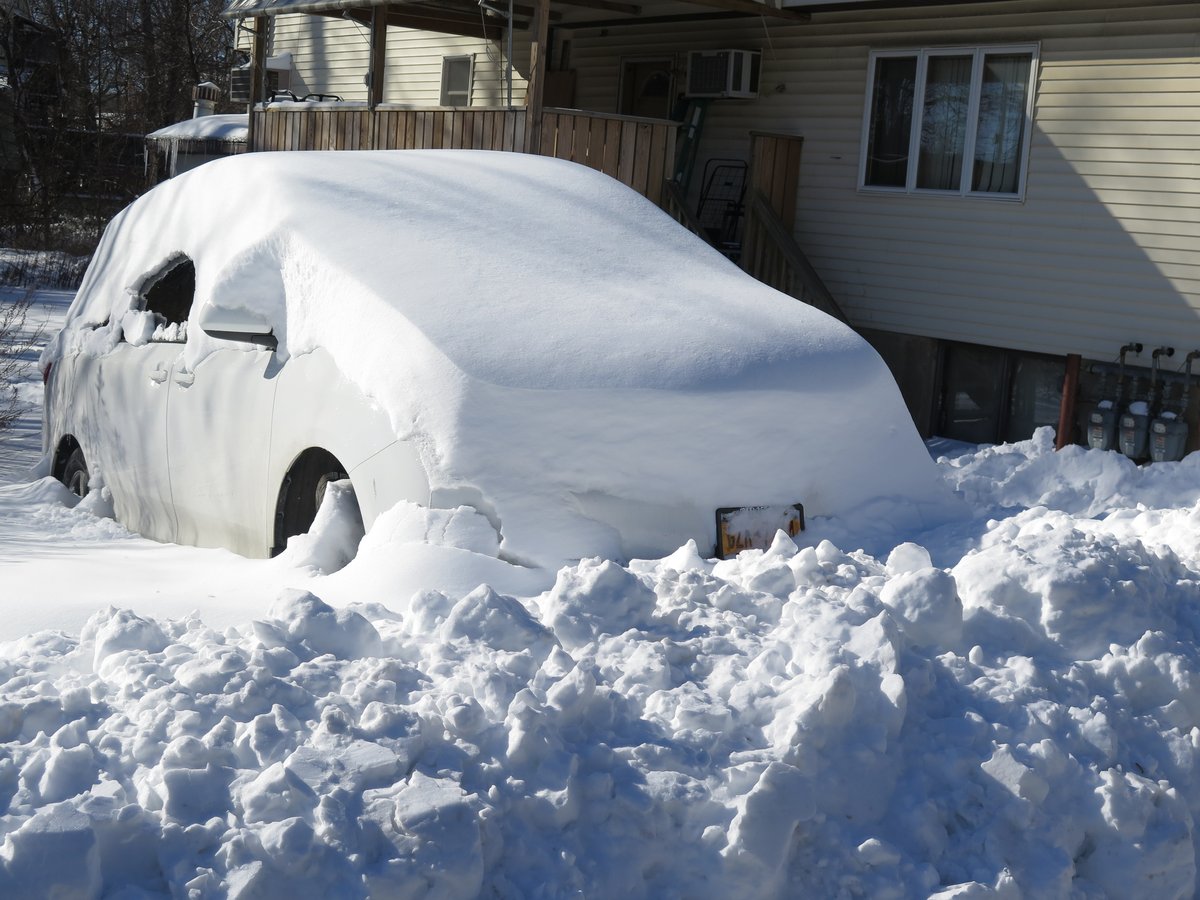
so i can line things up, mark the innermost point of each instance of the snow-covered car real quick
(510, 333)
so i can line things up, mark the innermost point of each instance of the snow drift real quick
(800, 722)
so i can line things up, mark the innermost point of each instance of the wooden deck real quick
(637, 152)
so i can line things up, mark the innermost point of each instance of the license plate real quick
(753, 527)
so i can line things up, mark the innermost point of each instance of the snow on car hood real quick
(556, 347)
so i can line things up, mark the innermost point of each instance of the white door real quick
(219, 431)
(124, 395)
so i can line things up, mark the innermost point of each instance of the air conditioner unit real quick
(723, 73)
(279, 78)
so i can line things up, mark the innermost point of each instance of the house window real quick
(457, 72)
(949, 121)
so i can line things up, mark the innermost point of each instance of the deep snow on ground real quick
(1007, 706)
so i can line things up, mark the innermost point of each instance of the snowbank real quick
(563, 356)
(804, 722)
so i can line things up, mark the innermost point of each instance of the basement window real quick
(949, 121)
(457, 75)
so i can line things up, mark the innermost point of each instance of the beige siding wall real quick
(1104, 248)
(329, 56)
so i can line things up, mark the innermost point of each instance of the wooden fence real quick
(637, 152)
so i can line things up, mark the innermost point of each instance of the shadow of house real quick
(975, 292)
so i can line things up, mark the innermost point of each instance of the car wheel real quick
(302, 492)
(75, 473)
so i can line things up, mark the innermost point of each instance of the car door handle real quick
(159, 375)
(184, 378)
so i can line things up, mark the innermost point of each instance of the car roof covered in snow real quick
(522, 270)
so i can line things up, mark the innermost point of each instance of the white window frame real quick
(445, 93)
(914, 144)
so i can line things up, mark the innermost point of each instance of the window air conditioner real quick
(279, 78)
(723, 73)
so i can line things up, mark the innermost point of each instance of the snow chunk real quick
(761, 832)
(304, 619)
(336, 532)
(52, 854)
(1019, 780)
(498, 621)
(116, 630)
(593, 598)
(927, 604)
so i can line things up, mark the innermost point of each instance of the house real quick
(996, 193)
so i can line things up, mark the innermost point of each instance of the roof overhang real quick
(405, 12)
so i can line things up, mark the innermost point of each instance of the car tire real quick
(302, 492)
(75, 473)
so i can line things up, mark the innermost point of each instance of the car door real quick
(218, 443)
(123, 431)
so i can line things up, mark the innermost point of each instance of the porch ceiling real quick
(455, 13)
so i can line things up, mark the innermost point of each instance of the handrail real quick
(675, 205)
(771, 254)
(614, 117)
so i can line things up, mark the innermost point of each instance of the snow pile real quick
(580, 369)
(797, 722)
(1074, 479)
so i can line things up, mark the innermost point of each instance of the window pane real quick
(1036, 396)
(1001, 129)
(944, 122)
(891, 121)
(972, 392)
(458, 75)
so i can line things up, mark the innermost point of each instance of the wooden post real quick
(258, 75)
(775, 172)
(537, 77)
(378, 46)
(1066, 409)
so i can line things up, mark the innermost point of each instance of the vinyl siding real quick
(329, 56)
(1102, 250)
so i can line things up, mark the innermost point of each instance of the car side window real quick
(168, 297)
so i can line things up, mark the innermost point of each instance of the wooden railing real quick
(771, 254)
(343, 127)
(637, 152)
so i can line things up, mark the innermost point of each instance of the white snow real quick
(1002, 706)
(1006, 705)
(230, 127)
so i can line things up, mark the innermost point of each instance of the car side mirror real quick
(237, 324)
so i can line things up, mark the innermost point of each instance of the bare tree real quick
(18, 346)
(86, 80)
